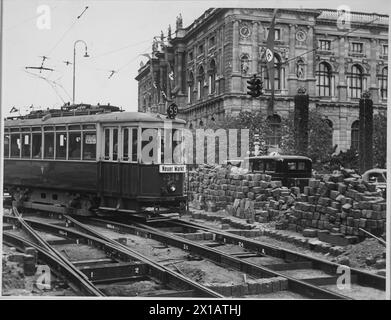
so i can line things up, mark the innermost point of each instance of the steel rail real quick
(116, 249)
(221, 257)
(43, 243)
(172, 275)
(363, 278)
(76, 282)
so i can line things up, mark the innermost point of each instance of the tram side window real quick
(61, 145)
(49, 145)
(15, 145)
(107, 144)
(6, 145)
(125, 150)
(134, 144)
(177, 138)
(26, 145)
(115, 144)
(37, 145)
(74, 152)
(89, 145)
(149, 147)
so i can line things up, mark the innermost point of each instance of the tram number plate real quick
(173, 168)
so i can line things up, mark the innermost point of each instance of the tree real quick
(320, 146)
(380, 140)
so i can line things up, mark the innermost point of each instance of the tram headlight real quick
(171, 187)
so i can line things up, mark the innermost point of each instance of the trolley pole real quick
(74, 65)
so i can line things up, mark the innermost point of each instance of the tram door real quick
(110, 166)
(110, 147)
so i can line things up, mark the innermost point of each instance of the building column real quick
(341, 86)
(235, 47)
(373, 83)
(254, 48)
(181, 76)
(291, 80)
(310, 64)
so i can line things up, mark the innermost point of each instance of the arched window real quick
(356, 81)
(190, 88)
(277, 74)
(355, 135)
(383, 79)
(200, 83)
(212, 77)
(274, 136)
(323, 79)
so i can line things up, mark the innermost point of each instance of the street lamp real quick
(74, 63)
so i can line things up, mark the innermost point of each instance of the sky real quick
(116, 33)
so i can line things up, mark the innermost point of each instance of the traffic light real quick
(254, 86)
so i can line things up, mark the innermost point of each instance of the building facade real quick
(204, 67)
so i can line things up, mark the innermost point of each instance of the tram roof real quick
(280, 157)
(116, 117)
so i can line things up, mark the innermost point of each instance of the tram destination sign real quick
(172, 168)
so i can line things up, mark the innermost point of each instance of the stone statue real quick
(301, 90)
(169, 32)
(300, 69)
(179, 22)
(154, 45)
(161, 36)
(245, 65)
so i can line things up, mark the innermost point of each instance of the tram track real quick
(123, 261)
(251, 257)
(287, 263)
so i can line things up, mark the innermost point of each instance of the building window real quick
(277, 74)
(355, 135)
(323, 80)
(356, 81)
(324, 45)
(191, 57)
(274, 136)
(385, 49)
(200, 83)
(190, 88)
(212, 42)
(277, 34)
(356, 47)
(200, 49)
(212, 77)
(383, 79)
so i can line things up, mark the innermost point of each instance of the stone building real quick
(204, 67)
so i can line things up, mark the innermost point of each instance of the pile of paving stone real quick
(250, 196)
(335, 205)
